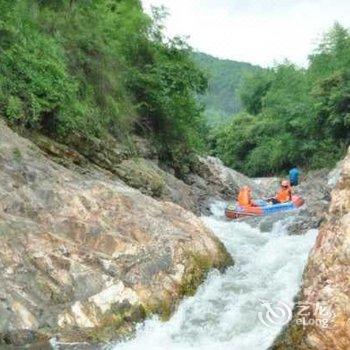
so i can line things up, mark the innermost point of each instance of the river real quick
(229, 310)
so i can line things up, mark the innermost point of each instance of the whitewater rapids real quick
(223, 314)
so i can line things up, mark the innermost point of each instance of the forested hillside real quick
(102, 68)
(293, 116)
(98, 67)
(225, 77)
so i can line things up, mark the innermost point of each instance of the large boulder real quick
(216, 180)
(84, 256)
(138, 167)
(325, 323)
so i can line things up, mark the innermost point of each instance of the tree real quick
(254, 90)
(300, 116)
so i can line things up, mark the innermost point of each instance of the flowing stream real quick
(227, 310)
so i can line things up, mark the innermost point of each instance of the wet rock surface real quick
(211, 181)
(82, 255)
(221, 180)
(138, 167)
(326, 287)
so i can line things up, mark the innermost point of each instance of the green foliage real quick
(167, 89)
(17, 155)
(35, 87)
(28, 80)
(332, 96)
(254, 90)
(93, 67)
(296, 116)
(222, 99)
(14, 109)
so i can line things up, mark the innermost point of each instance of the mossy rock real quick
(291, 337)
(137, 173)
(199, 266)
(223, 259)
(163, 307)
(117, 324)
(59, 152)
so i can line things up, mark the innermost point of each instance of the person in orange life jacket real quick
(283, 195)
(244, 197)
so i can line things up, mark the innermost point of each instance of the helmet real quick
(285, 183)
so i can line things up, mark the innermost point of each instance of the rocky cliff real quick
(83, 255)
(321, 319)
(138, 167)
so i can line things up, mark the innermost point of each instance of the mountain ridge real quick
(225, 76)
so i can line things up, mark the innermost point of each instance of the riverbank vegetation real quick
(293, 116)
(97, 67)
(103, 67)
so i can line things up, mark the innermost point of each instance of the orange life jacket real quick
(244, 197)
(284, 195)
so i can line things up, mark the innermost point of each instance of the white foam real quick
(224, 312)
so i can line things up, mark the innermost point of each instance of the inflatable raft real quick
(235, 211)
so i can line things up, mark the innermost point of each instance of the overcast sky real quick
(257, 31)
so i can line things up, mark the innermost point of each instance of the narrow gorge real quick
(86, 258)
(174, 177)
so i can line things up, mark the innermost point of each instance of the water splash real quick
(224, 312)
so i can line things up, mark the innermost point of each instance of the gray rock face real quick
(139, 168)
(316, 191)
(84, 255)
(211, 181)
(224, 181)
(326, 285)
